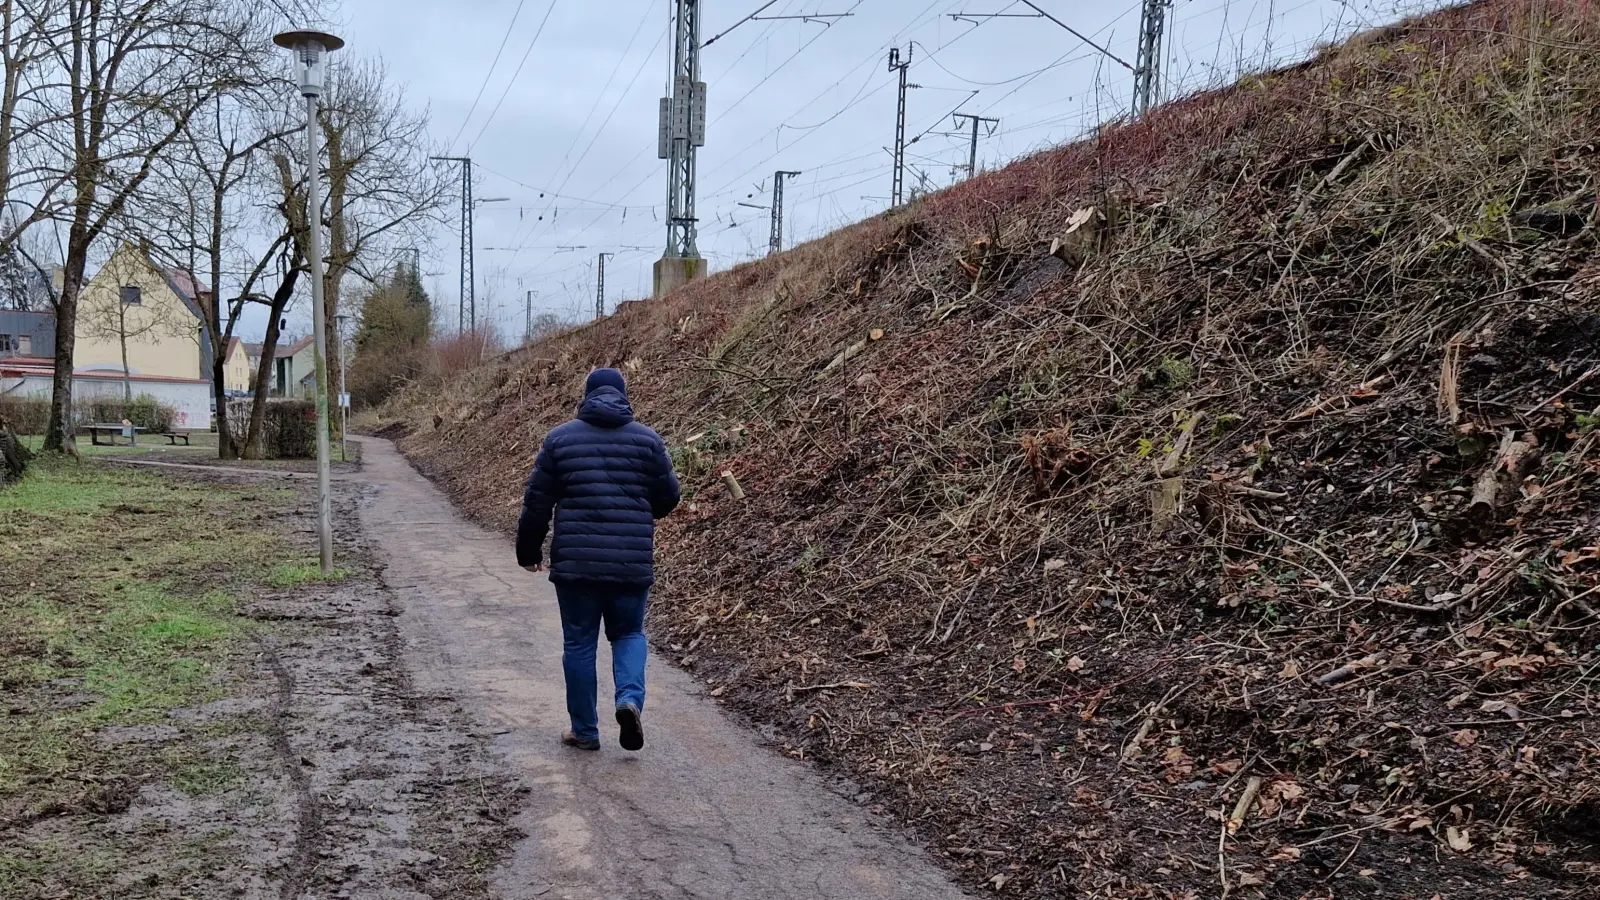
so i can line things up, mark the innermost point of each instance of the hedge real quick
(289, 431)
(31, 415)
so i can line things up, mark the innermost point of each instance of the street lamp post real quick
(311, 49)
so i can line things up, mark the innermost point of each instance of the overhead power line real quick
(1080, 36)
(513, 81)
(582, 157)
(768, 77)
(489, 74)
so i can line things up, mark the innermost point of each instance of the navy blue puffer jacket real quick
(608, 479)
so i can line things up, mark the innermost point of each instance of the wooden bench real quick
(112, 431)
(174, 435)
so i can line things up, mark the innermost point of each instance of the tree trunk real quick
(59, 434)
(339, 258)
(122, 338)
(219, 391)
(330, 351)
(252, 448)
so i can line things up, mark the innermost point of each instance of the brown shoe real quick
(572, 740)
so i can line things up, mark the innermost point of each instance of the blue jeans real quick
(583, 606)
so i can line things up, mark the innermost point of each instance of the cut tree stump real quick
(13, 456)
(1082, 237)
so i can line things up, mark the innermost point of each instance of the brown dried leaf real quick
(1287, 791)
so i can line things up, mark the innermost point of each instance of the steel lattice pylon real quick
(683, 129)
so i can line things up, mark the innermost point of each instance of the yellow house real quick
(134, 313)
(236, 370)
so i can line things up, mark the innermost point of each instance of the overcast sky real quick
(560, 98)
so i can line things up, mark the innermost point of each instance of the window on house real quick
(5, 343)
(25, 345)
(131, 295)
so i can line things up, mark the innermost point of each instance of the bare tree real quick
(25, 266)
(382, 190)
(124, 77)
(212, 192)
(23, 27)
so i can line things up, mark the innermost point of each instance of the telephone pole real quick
(682, 129)
(527, 330)
(1147, 71)
(600, 287)
(896, 65)
(775, 244)
(466, 300)
(972, 154)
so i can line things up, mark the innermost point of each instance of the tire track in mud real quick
(308, 817)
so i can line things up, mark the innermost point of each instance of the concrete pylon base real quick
(674, 271)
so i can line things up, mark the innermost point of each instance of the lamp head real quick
(311, 49)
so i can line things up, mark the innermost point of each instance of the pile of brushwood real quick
(1207, 508)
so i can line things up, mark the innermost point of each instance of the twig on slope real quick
(1553, 397)
(1242, 808)
(1329, 179)
(1350, 590)
(1471, 243)
(806, 688)
(1468, 596)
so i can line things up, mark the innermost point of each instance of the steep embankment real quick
(1277, 507)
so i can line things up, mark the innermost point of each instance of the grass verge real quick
(118, 607)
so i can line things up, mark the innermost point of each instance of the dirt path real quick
(704, 812)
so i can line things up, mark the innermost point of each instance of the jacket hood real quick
(606, 407)
(600, 378)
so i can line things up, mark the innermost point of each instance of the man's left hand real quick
(535, 568)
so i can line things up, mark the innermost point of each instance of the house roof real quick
(25, 366)
(11, 366)
(28, 315)
(233, 344)
(117, 376)
(253, 351)
(182, 282)
(293, 348)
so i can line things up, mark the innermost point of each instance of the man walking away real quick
(607, 479)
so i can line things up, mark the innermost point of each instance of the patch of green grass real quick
(201, 775)
(164, 653)
(54, 866)
(293, 575)
(1176, 372)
